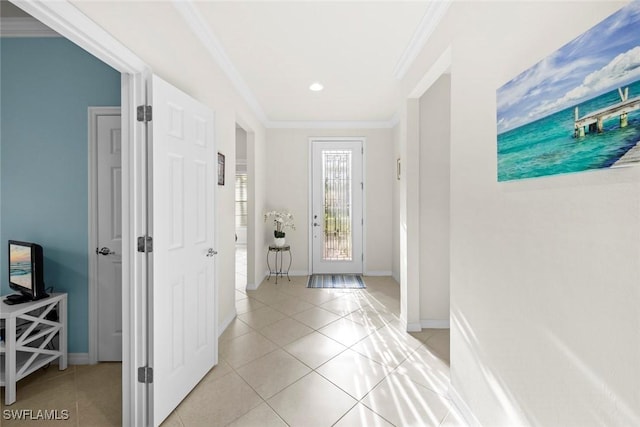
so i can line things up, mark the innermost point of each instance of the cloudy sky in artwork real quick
(604, 58)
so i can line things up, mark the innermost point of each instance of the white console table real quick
(29, 328)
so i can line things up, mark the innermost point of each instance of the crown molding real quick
(201, 29)
(432, 17)
(24, 27)
(395, 119)
(371, 124)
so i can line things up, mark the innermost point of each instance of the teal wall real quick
(46, 86)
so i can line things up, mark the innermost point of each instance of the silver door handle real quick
(105, 251)
(211, 252)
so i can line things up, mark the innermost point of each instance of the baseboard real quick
(298, 273)
(462, 408)
(292, 273)
(378, 273)
(396, 276)
(252, 286)
(226, 322)
(78, 358)
(435, 324)
(414, 327)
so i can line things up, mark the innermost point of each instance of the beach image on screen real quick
(20, 265)
(579, 108)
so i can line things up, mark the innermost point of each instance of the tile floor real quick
(92, 395)
(293, 356)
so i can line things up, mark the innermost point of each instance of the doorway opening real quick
(67, 266)
(241, 208)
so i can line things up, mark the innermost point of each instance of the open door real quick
(184, 344)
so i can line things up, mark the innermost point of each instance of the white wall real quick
(435, 162)
(544, 272)
(288, 188)
(241, 146)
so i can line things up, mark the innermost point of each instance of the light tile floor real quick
(322, 357)
(294, 356)
(91, 395)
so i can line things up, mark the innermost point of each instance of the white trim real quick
(210, 41)
(432, 17)
(24, 27)
(203, 32)
(255, 286)
(78, 359)
(226, 322)
(92, 169)
(435, 324)
(322, 124)
(69, 22)
(252, 286)
(462, 408)
(395, 120)
(396, 276)
(64, 18)
(299, 273)
(363, 151)
(414, 327)
(377, 273)
(310, 207)
(441, 66)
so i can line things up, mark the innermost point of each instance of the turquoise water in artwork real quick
(547, 146)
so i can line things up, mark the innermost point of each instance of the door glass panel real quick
(336, 176)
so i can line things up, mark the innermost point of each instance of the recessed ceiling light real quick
(316, 87)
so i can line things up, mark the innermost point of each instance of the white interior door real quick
(184, 338)
(109, 250)
(336, 214)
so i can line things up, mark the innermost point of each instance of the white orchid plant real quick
(281, 221)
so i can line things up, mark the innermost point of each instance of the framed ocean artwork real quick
(579, 108)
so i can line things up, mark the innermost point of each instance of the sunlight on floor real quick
(293, 356)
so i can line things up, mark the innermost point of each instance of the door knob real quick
(315, 224)
(105, 251)
(211, 252)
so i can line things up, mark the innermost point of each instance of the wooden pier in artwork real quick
(595, 121)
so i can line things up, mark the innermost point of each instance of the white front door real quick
(109, 250)
(184, 338)
(336, 214)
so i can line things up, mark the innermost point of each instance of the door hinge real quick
(361, 221)
(362, 257)
(145, 244)
(362, 185)
(144, 113)
(361, 150)
(145, 375)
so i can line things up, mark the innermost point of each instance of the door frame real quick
(75, 26)
(94, 113)
(336, 139)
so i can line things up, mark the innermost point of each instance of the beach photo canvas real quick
(579, 108)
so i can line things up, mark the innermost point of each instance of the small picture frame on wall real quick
(398, 169)
(220, 169)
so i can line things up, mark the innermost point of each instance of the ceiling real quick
(273, 50)
(352, 48)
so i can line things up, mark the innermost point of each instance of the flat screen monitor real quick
(26, 269)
